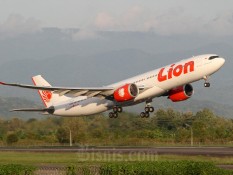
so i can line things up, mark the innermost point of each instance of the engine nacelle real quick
(126, 93)
(181, 93)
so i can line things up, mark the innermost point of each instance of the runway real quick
(205, 151)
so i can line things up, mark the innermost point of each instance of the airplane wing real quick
(101, 92)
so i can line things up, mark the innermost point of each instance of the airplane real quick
(173, 81)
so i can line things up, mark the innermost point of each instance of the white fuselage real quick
(156, 83)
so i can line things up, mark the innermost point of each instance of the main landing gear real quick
(148, 110)
(206, 84)
(116, 110)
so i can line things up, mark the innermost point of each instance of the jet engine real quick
(181, 93)
(126, 93)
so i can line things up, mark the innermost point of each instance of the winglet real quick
(2, 83)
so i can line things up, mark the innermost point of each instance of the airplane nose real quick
(221, 61)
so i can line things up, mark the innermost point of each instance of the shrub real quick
(82, 170)
(163, 168)
(15, 169)
(70, 170)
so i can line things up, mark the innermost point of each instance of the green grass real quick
(37, 158)
(96, 158)
(228, 160)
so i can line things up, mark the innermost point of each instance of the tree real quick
(167, 119)
(204, 125)
(3, 130)
(62, 136)
(11, 138)
(2, 133)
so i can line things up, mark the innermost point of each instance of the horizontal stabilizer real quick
(50, 110)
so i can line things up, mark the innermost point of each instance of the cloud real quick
(17, 24)
(180, 23)
(85, 35)
(221, 25)
(173, 21)
(133, 13)
(104, 21)
(131, 19)
(125, 21)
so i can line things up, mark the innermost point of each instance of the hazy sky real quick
(163, 16)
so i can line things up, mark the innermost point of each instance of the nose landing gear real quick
(206, 84)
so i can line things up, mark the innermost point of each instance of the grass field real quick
(96, 158)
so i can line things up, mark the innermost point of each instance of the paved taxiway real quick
(206, 151)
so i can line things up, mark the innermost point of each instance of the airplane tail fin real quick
(49, 98)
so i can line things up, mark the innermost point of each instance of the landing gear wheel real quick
(147, 109)
(147, 114)
(111, 115)
(143, 114)
(152, 109)
(117, 109)
(115, 115)
(120, 109)
(206, 84)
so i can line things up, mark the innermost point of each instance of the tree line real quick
(165, 127)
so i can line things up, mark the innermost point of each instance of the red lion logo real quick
(46, 96)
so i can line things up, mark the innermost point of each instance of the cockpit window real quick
(213, 57)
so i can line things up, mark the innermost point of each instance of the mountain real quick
(50, 42)
(193, 105)
(103, 69)
(190, 105)
(7, 104)
(65, 60)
